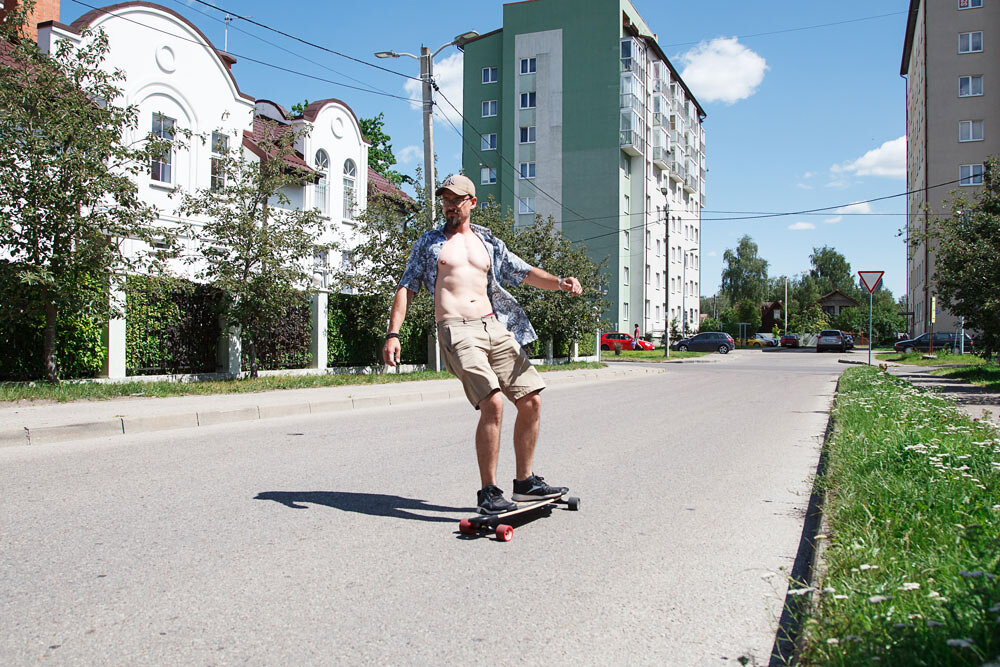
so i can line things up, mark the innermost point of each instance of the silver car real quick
(831, 339)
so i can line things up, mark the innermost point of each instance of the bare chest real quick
(463, 252)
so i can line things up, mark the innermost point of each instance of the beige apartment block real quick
(951, 61)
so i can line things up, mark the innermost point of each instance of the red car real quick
(608, 341)
(789, 340)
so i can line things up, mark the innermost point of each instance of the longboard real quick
(504, 532)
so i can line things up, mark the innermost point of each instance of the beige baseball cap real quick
(458, 184)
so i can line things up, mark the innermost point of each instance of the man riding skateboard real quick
(481, 329)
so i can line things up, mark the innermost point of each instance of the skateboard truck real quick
(505, 532)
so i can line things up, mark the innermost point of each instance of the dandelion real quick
(909, 586)
(961, 643)
(875, 599)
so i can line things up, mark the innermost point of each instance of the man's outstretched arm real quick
(400, 304)
(544, 280)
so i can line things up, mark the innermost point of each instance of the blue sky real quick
(799, 117)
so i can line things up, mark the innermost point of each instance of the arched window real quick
(350, 189)
(323, 167)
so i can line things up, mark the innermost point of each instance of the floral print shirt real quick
(506, 268)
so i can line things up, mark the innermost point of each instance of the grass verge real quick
(913, 509)
(75, 391)
(649, 355)
(942, 359)
(983, 375)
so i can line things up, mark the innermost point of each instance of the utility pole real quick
(786, 305)
(426, 75)
(666, 274)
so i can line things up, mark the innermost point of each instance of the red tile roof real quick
(266, 129)
(379, 184)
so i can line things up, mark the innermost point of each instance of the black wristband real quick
(391, 335)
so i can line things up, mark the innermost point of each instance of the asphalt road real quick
(332, 539)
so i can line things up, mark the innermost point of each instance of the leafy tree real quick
(808, 319)
(380, 155)
(744, 275)
(68, 195)
(254, 249)
(299, 108)
(749, 311)
(556, 316)
(831, 271)
(968, 258)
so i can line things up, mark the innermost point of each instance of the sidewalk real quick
(972, 400)
(33, 423)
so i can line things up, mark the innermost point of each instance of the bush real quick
(287, 344)
(80, 349)
(356, 326)
(171, 326)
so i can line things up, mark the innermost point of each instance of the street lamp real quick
(426, 60)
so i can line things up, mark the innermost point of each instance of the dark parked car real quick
(789, 340)
(708, 341)
(608, 341)
(831, 339)
(942, 341)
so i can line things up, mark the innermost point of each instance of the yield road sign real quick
(871, 279)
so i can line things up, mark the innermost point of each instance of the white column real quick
(114, 333)
(230, 350)
(318, 321)
(433, 351)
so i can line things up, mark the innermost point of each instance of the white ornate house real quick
(178, 79)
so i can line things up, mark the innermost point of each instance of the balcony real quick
(659, 119)
(676, 170)
(632, 101)
(635, 66)
(632, 142)
(690, 182)
(661, 157)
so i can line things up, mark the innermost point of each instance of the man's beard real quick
(452, 221)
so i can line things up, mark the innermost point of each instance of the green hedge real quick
(287, 345)
(80, 351)
(171, 326)
(356, 332)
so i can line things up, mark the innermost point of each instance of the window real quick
(489, 75)
(323, 167)
(489, 141)
(969, 4)
(217, 170)
(970, 174)
(528, 100)
(625, 310)
(527, 169)
(626, 165)
(970, 130)
(528, 134)
(626, 276)
(657, 247)
(626, 240)
(488, 175)
(626, 205)
(970, 42)
(489, 108)
(525, 205)
(160, 165)
(528, 65)
(350, 196)
(970, 86)
(647, 274)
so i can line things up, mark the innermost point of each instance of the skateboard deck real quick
(505, 532)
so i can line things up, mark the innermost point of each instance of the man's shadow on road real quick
(373, 504)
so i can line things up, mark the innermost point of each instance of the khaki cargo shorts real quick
(486, 357)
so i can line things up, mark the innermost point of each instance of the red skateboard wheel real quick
(505, 533)
(466, 528)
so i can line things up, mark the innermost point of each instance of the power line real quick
(246, 58)
(808, 27)
(303, 41)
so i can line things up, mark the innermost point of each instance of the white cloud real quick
(722, 70)
(888, 160)
(409, 154)
(857, 207)
(800, 226)
(448, 75)
(712, 253)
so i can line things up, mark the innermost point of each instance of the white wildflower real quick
(800, 591)
(875, 599)
(869, 567)
(909, 586)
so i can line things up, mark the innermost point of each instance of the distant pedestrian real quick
(635, 334)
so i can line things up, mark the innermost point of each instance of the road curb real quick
(27, 435)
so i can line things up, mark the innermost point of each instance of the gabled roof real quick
(265, 129)
(379, 184)
(313, 109)
(837, 292)
(93, 15)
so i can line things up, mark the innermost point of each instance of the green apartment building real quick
(573, 111)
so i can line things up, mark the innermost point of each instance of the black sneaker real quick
(535, 488)
(491, 501)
